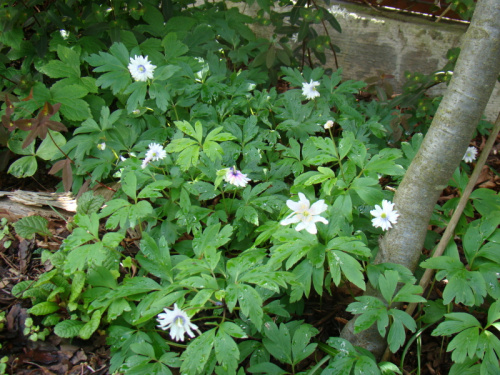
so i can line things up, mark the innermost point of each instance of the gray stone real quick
(394, 42)
(390, 42)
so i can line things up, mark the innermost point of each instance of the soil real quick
(21, 261)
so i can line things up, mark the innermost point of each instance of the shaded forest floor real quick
(21, 261)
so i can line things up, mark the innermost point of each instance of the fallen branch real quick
(17, 204)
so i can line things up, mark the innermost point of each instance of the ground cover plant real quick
(247, 182)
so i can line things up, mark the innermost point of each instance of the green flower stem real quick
(117, 157)
(338, 154)
(224, 202)
(8, 79)
(173, 343)
(140, 227)
(234, 196)
(318, 365)
(416, 336)
(176, 114)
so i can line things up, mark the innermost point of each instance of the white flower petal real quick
(236, 178)
(141, 68)
(309, 89)
(178, 322)
(318, 207)
(470, 154)
(385, 216)
(304, 225)
(291, 219)
(296, 206)
(320, 219)
(301, 206)
(305, 215)
(377, 211)
(387, 206)
(156, 152)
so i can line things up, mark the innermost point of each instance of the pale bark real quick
(442, 149)
(18, 204)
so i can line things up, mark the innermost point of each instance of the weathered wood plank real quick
(17, 204)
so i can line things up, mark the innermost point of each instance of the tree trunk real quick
(442, 150)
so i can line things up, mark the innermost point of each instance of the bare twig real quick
(444, 13)
(448, 233)
(450, 229)
(330, 39)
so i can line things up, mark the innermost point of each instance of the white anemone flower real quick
(178, 322)
(155, 152)
(309, 89)
(64, 34)
(235, 177)
(384, 216)
(101, 146)
(470, 154)
(306, 215)
(141, 68)
(328, 124)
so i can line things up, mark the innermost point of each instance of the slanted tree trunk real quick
(442, 150)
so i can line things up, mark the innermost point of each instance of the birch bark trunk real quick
(442, 150)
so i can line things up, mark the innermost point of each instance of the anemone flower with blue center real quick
(236, 178)
(141, 68)
(178, 322)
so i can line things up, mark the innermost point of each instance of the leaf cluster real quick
(178, 230)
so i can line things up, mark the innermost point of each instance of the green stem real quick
(224, 203)
(338, 154)
(140, 227)
(8, 79)
(410, 342)
(328, 35)
(176, 114)
(232, 200)
(318, 365)
(173, 343)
